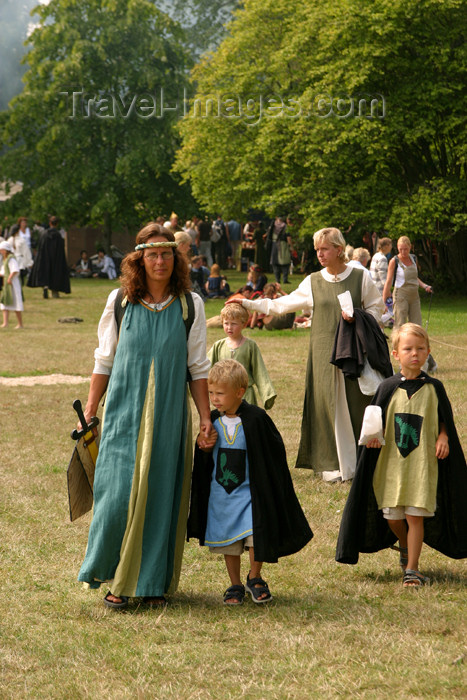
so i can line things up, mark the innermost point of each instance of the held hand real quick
(349, 319)
(207, 442)
(88, 414)
(373, 443)
(428, 289)
(442, 446)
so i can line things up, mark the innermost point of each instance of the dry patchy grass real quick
(331, 631)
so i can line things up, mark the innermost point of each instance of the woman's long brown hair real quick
(133, 277)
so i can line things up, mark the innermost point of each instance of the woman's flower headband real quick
(159, 244)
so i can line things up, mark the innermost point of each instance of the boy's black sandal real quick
(235, 593)
(414, 579)
(257, 587)
(113, 604)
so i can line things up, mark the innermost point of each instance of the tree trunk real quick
(107, 232)
(452, 263)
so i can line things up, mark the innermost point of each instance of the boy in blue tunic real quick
(242, 492)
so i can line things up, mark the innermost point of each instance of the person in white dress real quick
(11, 298)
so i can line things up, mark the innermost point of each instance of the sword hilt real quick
(85, 427)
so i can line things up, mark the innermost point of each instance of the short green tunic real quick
(318, 449)
(249, 355)
(409, 479)
(138, 526)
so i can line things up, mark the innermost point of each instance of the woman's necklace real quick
(156, 302)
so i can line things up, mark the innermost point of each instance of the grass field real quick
(331, 631)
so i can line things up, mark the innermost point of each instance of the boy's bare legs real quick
(410, 535)
(5, 318)
(399, 528)
(232, 562)
(414, 540)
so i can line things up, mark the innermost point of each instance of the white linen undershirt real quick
(197, 362)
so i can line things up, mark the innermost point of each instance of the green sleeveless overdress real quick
(142, 479)
(317, 448)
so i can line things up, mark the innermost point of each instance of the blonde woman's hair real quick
(332, 236)
(349, 250)
(182, 237)
(406, 329)
(229, 372)
(405, 239)
(234, 312)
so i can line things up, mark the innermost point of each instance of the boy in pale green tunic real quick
(406, 475)
(235, 346)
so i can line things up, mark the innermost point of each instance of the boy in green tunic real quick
(406, 474)
(235, 346)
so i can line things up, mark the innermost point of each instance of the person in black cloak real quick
(411, 486)
(50, 269)
(242, 494)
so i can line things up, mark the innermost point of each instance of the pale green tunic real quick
(249, 355)
(410, 480)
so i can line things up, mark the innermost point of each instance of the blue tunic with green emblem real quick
(229, 510)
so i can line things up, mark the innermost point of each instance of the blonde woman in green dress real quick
(334, 405)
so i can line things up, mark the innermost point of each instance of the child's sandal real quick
(257, 587)
(414, 579)
(236, 594)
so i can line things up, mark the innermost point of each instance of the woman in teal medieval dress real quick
(333, 405)
(152, 338)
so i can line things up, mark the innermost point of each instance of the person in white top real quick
(145, 356)
(334, 405)
(360, 259)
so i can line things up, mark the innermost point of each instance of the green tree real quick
(278, 120)
(91, 136)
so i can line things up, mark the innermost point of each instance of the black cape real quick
(363, 528)
(355, 341)
(280, 527)
(50, 267)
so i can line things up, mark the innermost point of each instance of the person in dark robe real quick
(242, 494)
(50, 269)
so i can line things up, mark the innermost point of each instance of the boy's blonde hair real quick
(234, 312)
(407, 328)
(229, 372)
(332, 236)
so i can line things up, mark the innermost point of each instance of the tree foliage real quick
(283, 130)
(103, 155)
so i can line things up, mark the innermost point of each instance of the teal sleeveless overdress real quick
(138, 526)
